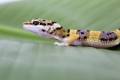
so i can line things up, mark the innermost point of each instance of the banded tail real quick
(103, 39)
(117, 31)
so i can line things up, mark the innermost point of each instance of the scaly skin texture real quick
(69, 37)
(97, 39)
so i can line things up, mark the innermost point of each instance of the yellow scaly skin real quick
(94, 39)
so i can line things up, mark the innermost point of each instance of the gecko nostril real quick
(35, 22)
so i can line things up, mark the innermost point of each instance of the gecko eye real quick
(35, 22)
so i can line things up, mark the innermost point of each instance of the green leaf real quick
(25, 56)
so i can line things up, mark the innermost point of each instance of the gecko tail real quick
(116, 47)
(118, 32)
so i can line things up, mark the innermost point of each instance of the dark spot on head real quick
(53, 22)
(43, 20)
(49, 24)
(35, 22)
(40, 23)
(44, 24)
(43, 30)
(59, 28)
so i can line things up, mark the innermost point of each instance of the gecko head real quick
(42, 27)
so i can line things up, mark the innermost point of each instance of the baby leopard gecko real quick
(73, 37)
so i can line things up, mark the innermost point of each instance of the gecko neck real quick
(61, 33)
